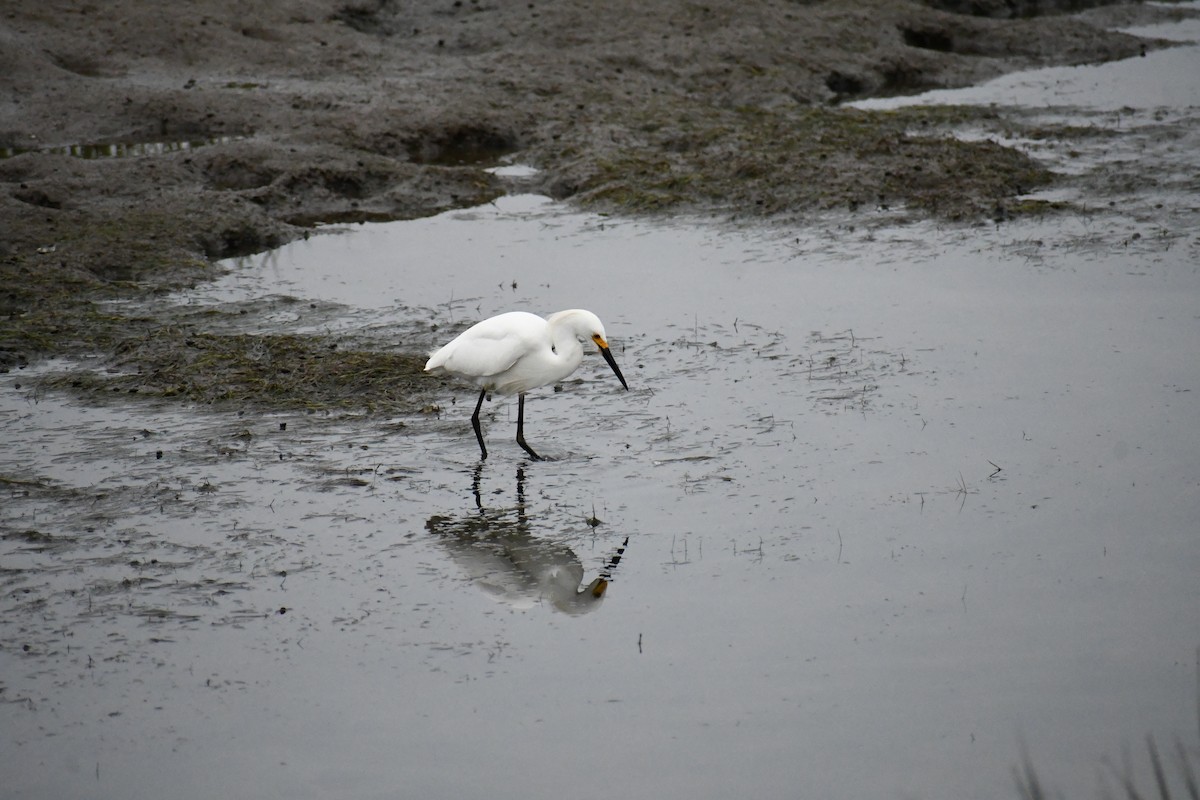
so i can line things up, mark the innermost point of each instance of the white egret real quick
(518, 351)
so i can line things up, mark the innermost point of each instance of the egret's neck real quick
(566, 345)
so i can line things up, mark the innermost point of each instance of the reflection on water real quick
(497, 549)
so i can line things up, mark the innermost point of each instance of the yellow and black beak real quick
(608, 356)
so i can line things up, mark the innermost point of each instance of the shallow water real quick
(1161, 79)
(896, 500)
(1142, 109)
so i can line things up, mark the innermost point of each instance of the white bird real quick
(518, 351)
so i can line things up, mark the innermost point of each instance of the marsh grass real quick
(1176, 773)
(764, 162)
(1180, 773)
(276, 372)
(70, 304)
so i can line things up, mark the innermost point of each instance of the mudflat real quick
(142, 141)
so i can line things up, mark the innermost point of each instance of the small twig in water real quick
(1185, 767)
(963, 490)
(1159, 775)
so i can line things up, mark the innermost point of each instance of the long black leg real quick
(521, 427)
(475, 423)
(475, 478)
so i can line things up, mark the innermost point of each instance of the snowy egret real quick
(518, 351)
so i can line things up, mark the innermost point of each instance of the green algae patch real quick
(766, 162)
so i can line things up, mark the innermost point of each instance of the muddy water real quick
(895, 499)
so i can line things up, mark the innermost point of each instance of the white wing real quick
(492, 346)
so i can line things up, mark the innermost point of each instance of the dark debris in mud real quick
(84, 560)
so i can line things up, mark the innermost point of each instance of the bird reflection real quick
(497, 549)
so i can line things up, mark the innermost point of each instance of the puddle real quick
(879, 505)
(1142, 109)
(1161, 79)
(469, 145)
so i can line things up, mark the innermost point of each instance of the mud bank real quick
(141, 143)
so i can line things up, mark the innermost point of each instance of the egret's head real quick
(598, 338)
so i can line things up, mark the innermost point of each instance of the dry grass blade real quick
(1125, 779)
(1185, 769)
(1028, 785)
(1159, 775)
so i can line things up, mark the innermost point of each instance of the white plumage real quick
(514, 352)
